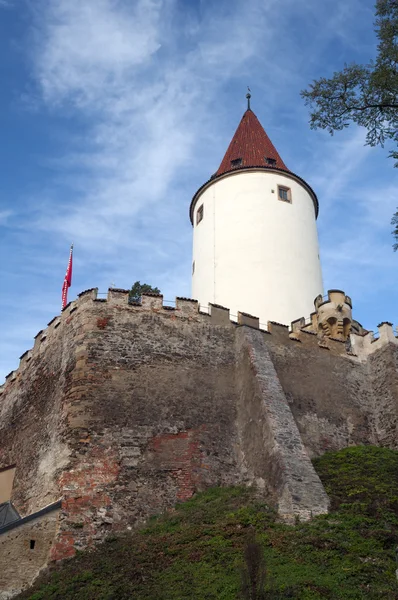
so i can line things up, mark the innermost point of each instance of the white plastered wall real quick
(6, 481)
(255, 253)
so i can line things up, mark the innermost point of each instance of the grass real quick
(196, 552)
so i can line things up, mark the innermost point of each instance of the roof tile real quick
(252, 145)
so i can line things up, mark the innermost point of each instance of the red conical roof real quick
(250, 147)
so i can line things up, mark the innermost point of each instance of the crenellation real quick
(219, 315)
(294, 337)
(44, 336)
(364, 342)
(71, 306)
(367, 344)
(25, 355)
(248, 320)
(278, 330)
(53, 321)
(120, 290)
(91, 292)
(152, 301)
(309, 332)
(191, 300)
(333, 316)
(187, 306)
(298, 324)
(386, 333)
(278, 324)
(37, 342)
(332, 324)
(336, 346)
(118, 297)
(309, 339)
(11, 376)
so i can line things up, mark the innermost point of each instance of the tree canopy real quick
(139, 288)
(365, 94)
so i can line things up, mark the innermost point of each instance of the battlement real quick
(336, 297)
(333, 314)
(332, 322)
(328, 329)
(184, 308)
(332, 317)
(366, 344)
(54, 328)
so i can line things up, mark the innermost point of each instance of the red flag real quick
(67, 280)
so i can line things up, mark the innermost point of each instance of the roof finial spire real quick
(248, 96)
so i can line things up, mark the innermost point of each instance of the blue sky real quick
(114, 112)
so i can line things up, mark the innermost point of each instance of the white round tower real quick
(255, 242)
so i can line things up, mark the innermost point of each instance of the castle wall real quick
(123, 410)
(32, 427)
(383, 374)
(328, 391)
(151, 413)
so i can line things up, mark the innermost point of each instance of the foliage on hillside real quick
(196, 552)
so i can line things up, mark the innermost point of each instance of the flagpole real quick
(67, 280)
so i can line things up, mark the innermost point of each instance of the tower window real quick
(199, 214)
(32, 544)
(284, 193)
(237, 162)
(270, 161)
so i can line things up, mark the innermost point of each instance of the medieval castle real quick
(122, 409)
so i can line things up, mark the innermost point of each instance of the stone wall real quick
(328, 391)
(123, 410)
(383, 375)
(24, 552)
(151, 413)
(32, 424)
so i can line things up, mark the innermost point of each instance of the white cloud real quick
(334, 170)
(88, 48)
(107, 59)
